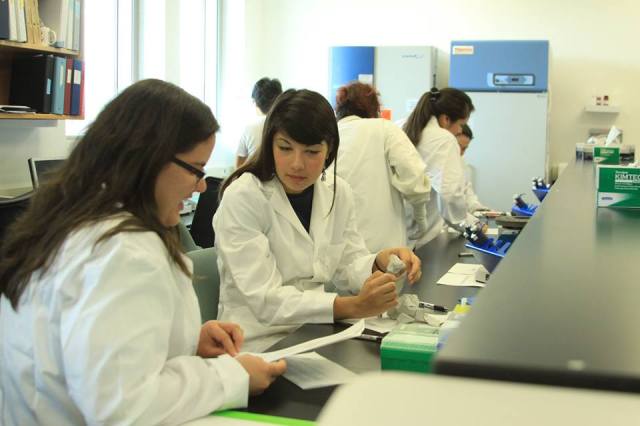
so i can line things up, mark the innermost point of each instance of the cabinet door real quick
(349, 63)
(509, 146)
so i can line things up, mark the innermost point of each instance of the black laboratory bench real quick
(285, 399)
(563, 307)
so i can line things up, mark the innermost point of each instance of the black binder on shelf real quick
(4, 19)
(32, 82)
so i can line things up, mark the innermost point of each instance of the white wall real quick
(231, 94)
(593, 47)
(290, 39)
(21, 140)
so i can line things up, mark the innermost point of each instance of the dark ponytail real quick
(451, 102)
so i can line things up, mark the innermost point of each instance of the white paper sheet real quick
(312, 370)
(351, 332)
(459, 280)
(464, 268)
(382, 324)
(461, 275)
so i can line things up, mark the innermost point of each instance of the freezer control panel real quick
(506, 80)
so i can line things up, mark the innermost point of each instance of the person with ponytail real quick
(432, 127)
(285, 232)
(382, 167)
(98, 316)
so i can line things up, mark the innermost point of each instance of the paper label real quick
(462, 50)
(365, 78)
(77, 77)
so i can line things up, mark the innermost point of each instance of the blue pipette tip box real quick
(490, 253)
(540, 193)
(524, 211)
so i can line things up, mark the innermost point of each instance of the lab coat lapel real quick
(322, 197)
(321, 230)
(282, 206)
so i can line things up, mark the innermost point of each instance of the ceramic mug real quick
(48, 37)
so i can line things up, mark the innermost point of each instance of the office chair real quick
(11, 208)
(201, 227)
(206, 281)
(186, 239)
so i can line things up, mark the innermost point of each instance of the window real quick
(105, 28)
(129, 40)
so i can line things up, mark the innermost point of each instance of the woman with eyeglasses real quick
(285, 232)
(98, 316)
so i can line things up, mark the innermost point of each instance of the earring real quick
(324, 175)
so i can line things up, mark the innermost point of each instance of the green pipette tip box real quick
(409, 347)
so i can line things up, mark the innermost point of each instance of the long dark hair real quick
(113, 168)
(305, 116)
(451, 102)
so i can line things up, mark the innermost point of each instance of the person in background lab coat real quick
(283, 232)
(98, 317)
(382, 167)
(473, 203)
(264, 93)
(432, 127)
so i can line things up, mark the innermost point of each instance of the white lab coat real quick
(272, 271)
(473, 202)
(440, 151)
(108, 336)
(382, 167)
(251, 138)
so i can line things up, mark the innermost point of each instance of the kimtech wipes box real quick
(607, 154)
(618, 186)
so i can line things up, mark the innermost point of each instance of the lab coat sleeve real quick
(244, 249)
(408, 171)
(356, 263)
(115, 345)
(450, 183)
(473, 203)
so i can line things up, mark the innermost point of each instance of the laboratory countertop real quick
(285, 399)
(561, 308)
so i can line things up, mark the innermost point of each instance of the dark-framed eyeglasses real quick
(188, 167)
